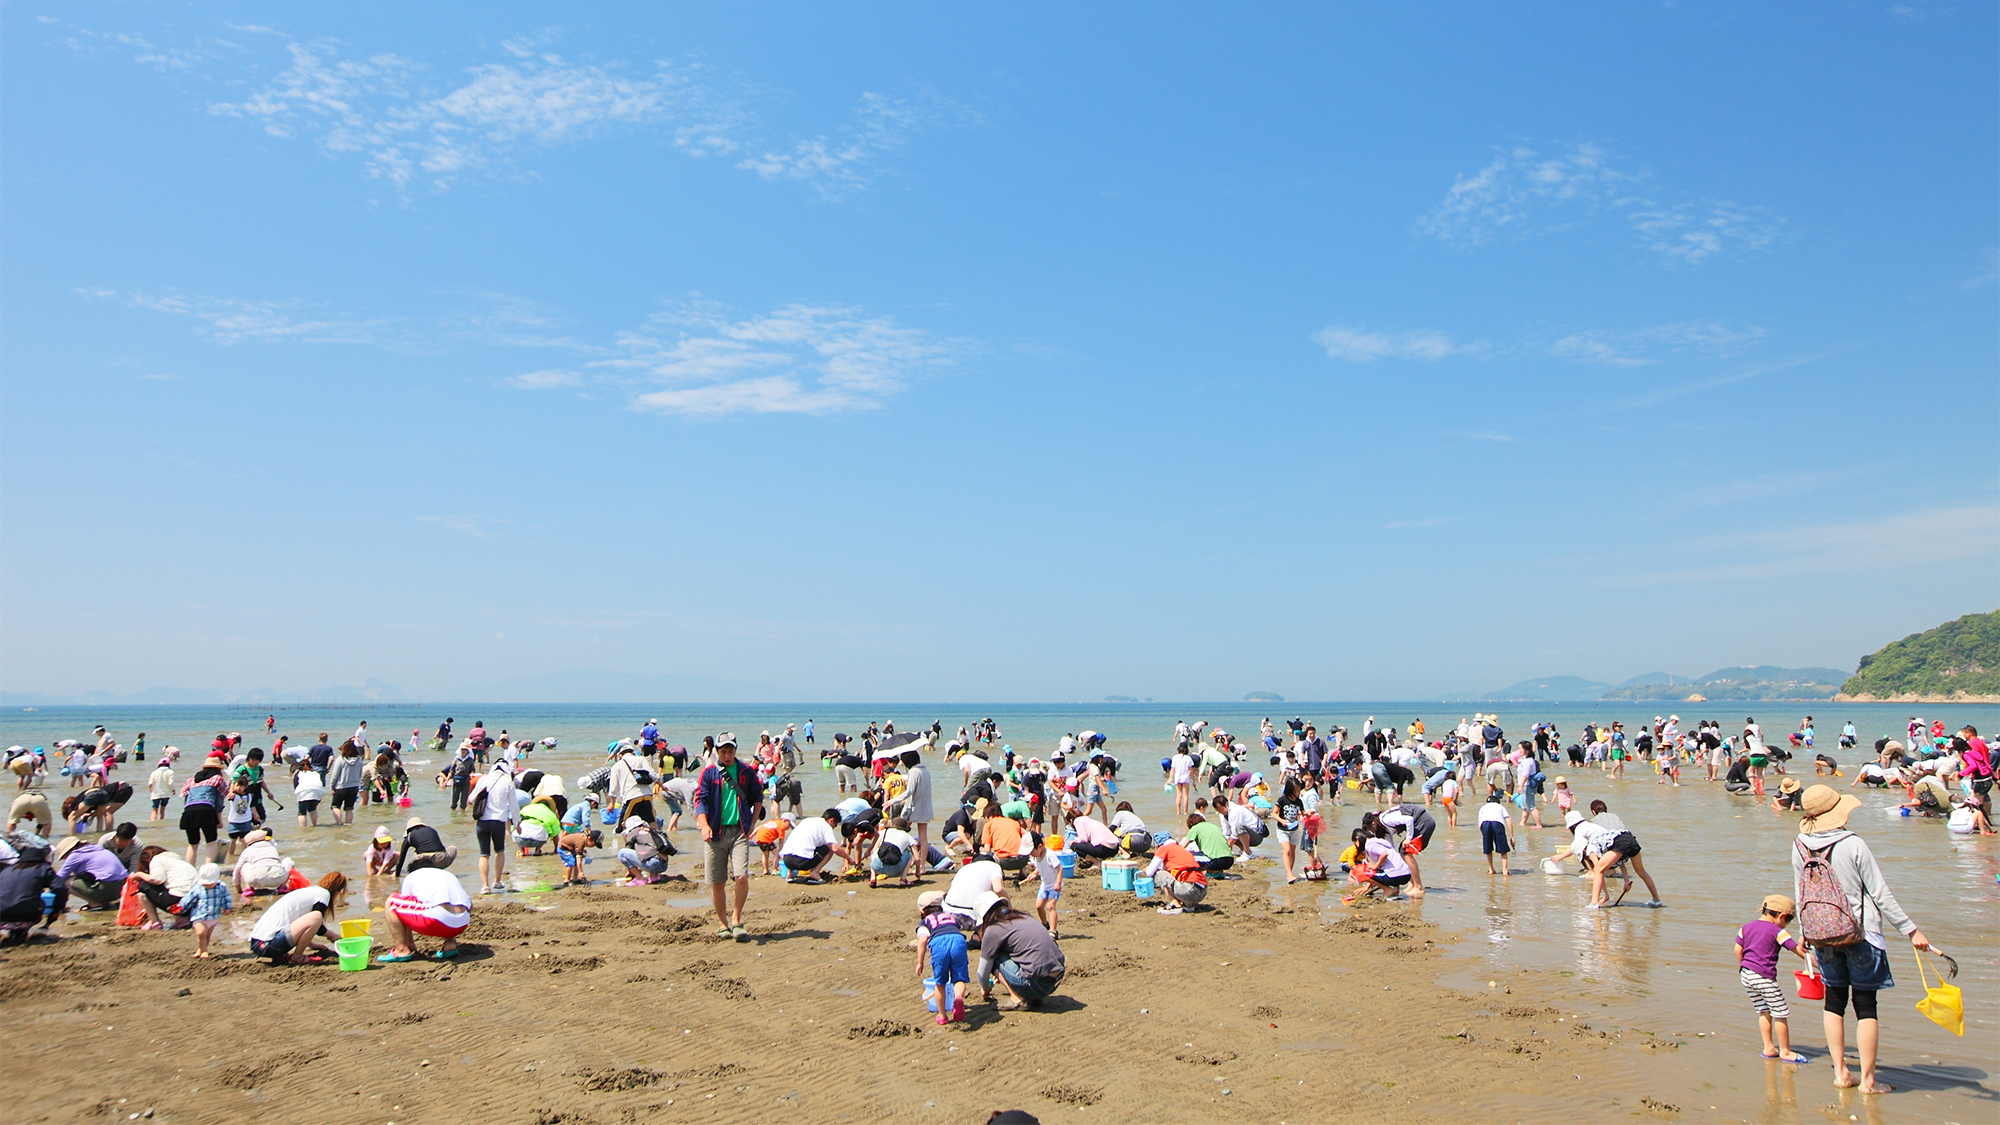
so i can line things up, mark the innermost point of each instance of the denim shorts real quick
(1860, 966)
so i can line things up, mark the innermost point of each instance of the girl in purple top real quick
(1757, 946)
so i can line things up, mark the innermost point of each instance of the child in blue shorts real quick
(1047, 857)
(940, 938)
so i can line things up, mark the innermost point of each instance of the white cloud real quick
(798, 359)
(838, 167)
(1358, 345)
(476, 526)
(547, 380)
(1521, 193)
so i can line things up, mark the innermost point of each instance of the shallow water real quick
(1666, 971)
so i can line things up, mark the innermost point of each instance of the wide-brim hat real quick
(65, 846)
(1825, 809)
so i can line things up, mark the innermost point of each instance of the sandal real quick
(444, 955)
(395, 958)
(740, 932)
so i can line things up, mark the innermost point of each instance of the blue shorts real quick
(1049, 894)
(948, 961)
(1859, 966)
(1493, 837)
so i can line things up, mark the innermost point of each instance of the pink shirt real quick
(1089, 831)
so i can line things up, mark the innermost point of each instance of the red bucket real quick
(1810, 985)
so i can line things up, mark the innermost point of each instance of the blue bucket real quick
(1068, 864)
(611, 816)
(1142, 886)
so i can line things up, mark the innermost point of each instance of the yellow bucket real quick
(355, 927)
(1353, 784)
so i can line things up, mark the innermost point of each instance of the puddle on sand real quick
(847, 992)
(1255, 952)
(690, 903)
(843, 913)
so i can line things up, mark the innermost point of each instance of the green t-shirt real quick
(1208, 840)
(732, 814)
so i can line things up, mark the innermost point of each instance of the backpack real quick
(479, 805)
(1824, 918)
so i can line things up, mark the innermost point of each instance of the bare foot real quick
(1844, 1081)
(1878, 1088)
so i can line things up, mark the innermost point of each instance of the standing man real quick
(729, 803)
(809, 732)
(443, 734)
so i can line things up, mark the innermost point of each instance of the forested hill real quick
(1957, 661)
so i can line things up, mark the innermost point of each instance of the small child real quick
(160, 788)
(381, 853)
(1496, 831)
(1448, 794)
(1047, 861)
(939, 938)
(1564, 795)
(767, 836)
(203, 904)
(1757, 966)
(242, 813)
(572, 847)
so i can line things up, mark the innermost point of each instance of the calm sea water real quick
(1714, 856)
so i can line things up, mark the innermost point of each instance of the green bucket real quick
(353, 953)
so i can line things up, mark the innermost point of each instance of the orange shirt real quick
(1182, 864)
(1002, 836)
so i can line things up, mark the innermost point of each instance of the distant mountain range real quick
(1763, 681)
(554, 687)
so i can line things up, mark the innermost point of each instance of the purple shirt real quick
(93, 861)
(1760, 941)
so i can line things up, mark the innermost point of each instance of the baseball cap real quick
(1779, 904)
(724, 739)
(382, 832)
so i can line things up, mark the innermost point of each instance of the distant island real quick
(1957, 662)
(1762, 681)
(1263, 697)
(1126, 699)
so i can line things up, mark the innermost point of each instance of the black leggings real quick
(492, 837)
(1864, 1001)
(1095, 851)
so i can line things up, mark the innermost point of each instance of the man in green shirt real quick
(729, 801)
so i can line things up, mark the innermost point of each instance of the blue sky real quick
(891, 353)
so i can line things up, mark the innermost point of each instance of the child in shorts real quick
(1496, 831)
(242, 813)
(1564, 795)
(204, 904)
(572, 847)
(1757, 945)
(940, 939)
(1046, 859)
(767, 836)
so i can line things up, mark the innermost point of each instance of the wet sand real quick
(612, 1004)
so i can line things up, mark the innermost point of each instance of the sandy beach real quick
(609, 1005)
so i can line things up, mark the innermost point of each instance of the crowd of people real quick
(1017, 819)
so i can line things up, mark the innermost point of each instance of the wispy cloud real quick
(692, 358)
(380, 107)
(231, 321)
(1949, 535)
(1645, 346)
(479, 527)
(1521, 193)
(1510, 195)
(546, 380)
(842, 165)
(1988, 275)
(1358, 345)
(797, 359)
(411, 122)
(1485, 435)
